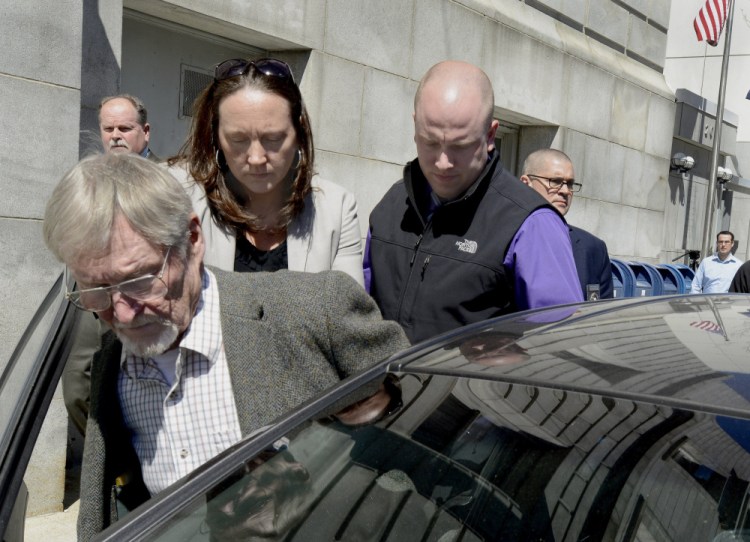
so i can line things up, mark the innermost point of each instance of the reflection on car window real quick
(484, 460)
(267, 501)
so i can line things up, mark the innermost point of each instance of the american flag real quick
(710, 20)
(707, 325)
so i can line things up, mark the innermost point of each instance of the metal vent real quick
(193, 81)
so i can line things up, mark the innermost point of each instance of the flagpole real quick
(708, 223)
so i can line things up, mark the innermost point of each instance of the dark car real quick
(622, 420)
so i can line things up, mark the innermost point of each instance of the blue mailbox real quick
(672, 280)
(623, 279)
(648, 281)
(687, 274)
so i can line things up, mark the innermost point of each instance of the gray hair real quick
(81, 211)
(135, 101)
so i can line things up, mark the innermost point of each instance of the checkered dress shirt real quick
(181, 420)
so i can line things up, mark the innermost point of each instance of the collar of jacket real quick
(250, 308)
(419, 191)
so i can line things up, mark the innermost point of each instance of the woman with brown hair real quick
(248, 166)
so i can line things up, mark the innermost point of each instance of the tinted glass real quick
(681, 349)
(477, 460)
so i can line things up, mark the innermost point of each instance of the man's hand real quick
(382, 403)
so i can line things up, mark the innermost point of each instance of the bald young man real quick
(459, 239)
(550, 173)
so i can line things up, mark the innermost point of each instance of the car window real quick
(478, 460)
(323, 486)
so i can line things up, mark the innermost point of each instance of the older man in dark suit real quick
(195, 358)
(550, 172)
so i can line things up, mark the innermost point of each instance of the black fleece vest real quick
(436, 274)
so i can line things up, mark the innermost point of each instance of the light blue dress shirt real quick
(715, 275)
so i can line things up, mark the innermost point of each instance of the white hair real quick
(81, 211)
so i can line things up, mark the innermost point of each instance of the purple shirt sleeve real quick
(540, 260)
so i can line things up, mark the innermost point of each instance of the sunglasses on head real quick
(239, 66)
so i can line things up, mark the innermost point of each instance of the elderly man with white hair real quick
(196, 358)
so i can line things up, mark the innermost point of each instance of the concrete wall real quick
(101, 34)
(39, 90)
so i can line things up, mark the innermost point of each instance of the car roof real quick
(690, 351)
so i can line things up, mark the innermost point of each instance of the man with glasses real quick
(196, 358)
(459, 239)
(715, 273)
(550, 173)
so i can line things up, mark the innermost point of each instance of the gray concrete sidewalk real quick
(61, 526)
(57, 527)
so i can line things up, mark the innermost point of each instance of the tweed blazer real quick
(288, 336)
(326, 236)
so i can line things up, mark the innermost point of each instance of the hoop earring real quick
(221, 162)
(299, 159)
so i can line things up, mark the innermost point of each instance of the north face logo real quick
(467, 246)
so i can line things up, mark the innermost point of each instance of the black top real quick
(741, 281)
(248, 259)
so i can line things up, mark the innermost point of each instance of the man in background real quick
(550, 172)
(124, 127)
(459, 239)
(715, 273)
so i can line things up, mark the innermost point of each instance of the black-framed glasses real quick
(556, 183)
(145, 288)
(240, 66)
